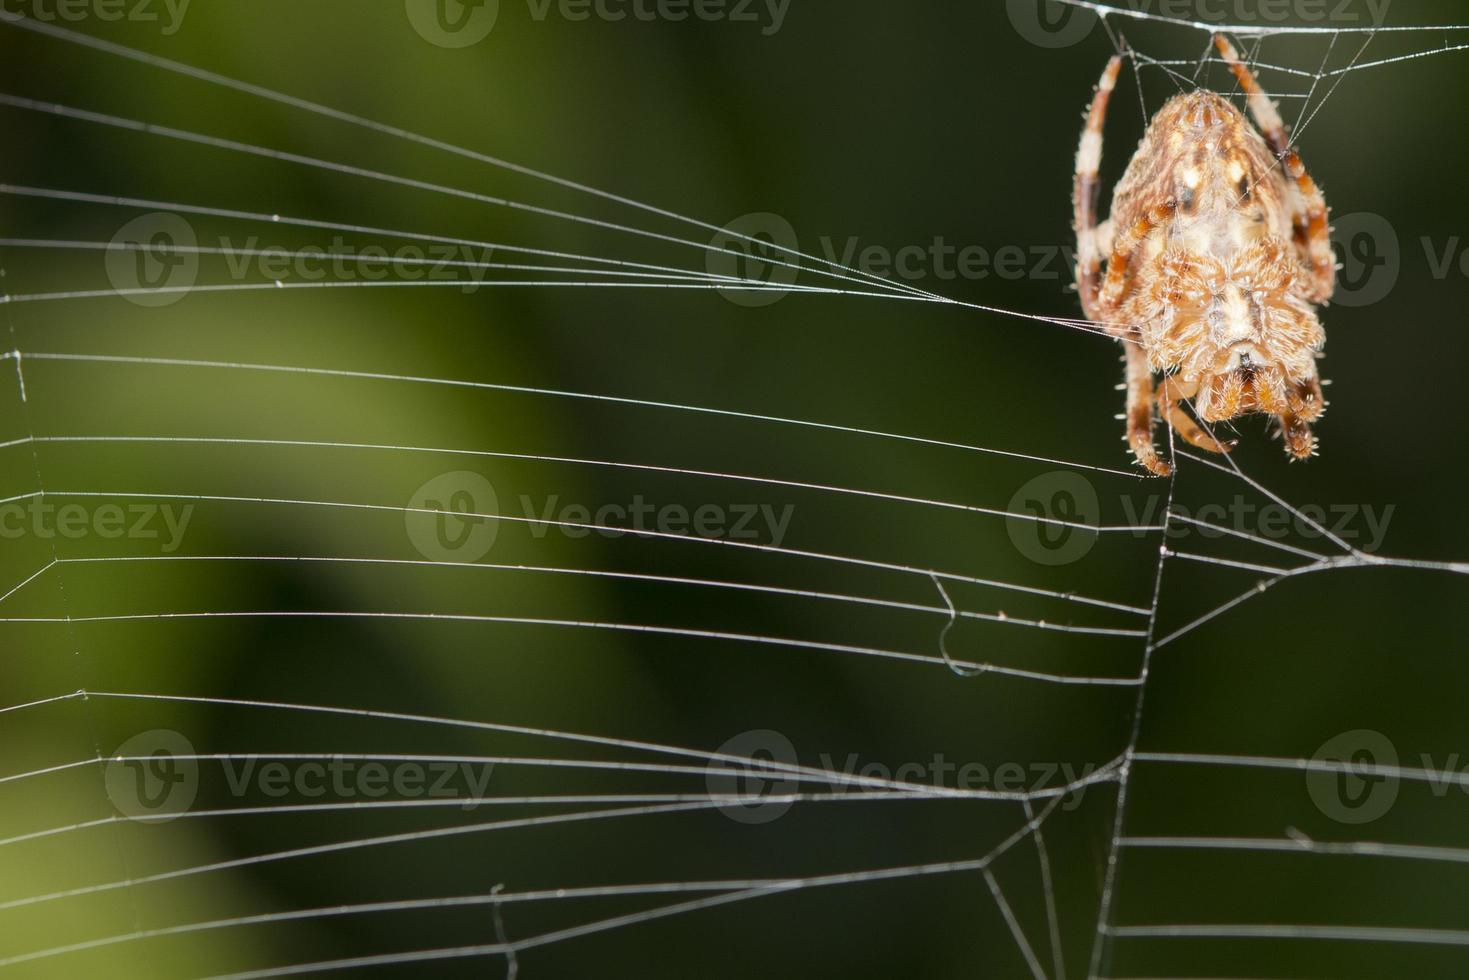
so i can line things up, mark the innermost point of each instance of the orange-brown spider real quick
(1218, 254)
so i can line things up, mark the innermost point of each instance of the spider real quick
(1218, 255)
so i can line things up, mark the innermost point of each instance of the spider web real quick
(610, 821)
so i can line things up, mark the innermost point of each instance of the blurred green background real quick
(885, 126)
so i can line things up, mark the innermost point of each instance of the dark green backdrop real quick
(893, 124)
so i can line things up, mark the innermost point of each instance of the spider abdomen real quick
(1228, 187)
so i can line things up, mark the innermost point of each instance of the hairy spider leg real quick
(1087, 190)
(1127, 243)
(1139, 383)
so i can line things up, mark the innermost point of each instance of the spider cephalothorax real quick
(1217, 256)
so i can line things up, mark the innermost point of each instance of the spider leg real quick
(1087, 190)
(1266, 116)
(1296, 432)
(1170, 396)
(1311, 232)
(1139, 373)
(1139, 376)
(1125, 245)
(1306, 405)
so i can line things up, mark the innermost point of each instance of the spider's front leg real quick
(1306, 405)
(1091, 239)
(1139, 373)
(1139, 382)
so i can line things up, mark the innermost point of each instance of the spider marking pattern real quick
(1217, 254)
